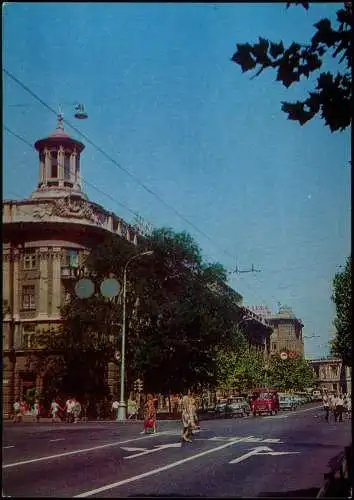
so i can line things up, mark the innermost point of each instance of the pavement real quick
(280, 456)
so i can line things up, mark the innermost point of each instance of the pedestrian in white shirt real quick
(54, 409)
(115, 406)
(68, 410)
(339, 408)
(17, 411)
(325, 402)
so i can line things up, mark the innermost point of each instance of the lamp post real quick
(121, 414)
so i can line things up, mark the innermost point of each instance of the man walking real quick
(325, 403)
(115, 406)
(69, 407)
(339, 408)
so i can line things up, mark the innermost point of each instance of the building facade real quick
(287, 330)
(46, 239)
(331, 375)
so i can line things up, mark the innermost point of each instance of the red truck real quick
(264, 401)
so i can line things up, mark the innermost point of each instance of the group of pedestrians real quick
(72, 410)
(337, 405)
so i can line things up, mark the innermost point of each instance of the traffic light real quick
(138, 385)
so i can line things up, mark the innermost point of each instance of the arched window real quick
(67, 166)
(54, 164)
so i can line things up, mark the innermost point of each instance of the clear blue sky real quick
(166, 102)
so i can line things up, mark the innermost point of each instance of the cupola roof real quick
(59, 137)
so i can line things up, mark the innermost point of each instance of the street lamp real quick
(121, 414)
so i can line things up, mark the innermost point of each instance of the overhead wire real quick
(117, 165)
(22, 139)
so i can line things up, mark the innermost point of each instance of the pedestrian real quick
(54, 408)
(115, 406)
(36, 411)
(76, 409)
(339, 408)
(69, 407)
(325, 403)
(149, 415)
(331, 401)
(17, 411)
(187, 419)
(132, 408)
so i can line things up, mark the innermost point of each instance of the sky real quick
(165, 101)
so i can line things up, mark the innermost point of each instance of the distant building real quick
(287, 329)
(331, 375)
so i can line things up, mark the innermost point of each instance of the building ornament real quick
(70, 208)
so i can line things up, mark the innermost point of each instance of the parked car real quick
(219, 410)
(265, 402)
(237, 406)
(287, 402)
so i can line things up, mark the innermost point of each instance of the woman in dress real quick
(149, 414)
(188, 419)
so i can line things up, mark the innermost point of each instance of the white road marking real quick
(5, 447)
(262, 450)
(132, 449)
(55, 440)
(76, 452)
(250, 439)
(255, 451)
(157, 448)
(153, 471)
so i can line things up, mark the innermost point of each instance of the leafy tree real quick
(291, 373)
(341, 345)
(331, 97)
(240, 367)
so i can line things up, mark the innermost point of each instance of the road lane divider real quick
(6, 447)
(55, 440)
(76, 452)
(156, 471)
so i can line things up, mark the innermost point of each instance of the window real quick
(67, 166)
(71, 258)
(28, 297)
(54, 162)
(30, 260)
(77, 165)
(28, 337)
(274, 346)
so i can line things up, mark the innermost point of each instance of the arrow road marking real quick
(261, 450)
(157, 448)
(154, 471)
(255, 451)
(249, 439)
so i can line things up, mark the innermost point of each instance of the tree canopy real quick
(341, 345)
(331, 97)
(175, 319)
(291, 373)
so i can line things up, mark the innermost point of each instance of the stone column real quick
(61, 166)
(16, 284)
(43, 283)
(73, 167)
(56, 282)
(48, 166)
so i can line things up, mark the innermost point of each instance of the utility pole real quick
(239, 271)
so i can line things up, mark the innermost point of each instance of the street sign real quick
(110, 288)
(84, 288)
(283, 355)
(117, 356)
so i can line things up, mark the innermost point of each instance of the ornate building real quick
(287, 330)
(46, 239)
(331, 375)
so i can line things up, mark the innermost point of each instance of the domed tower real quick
(59, 165)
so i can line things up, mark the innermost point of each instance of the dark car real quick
(219, 410)
(237, 406)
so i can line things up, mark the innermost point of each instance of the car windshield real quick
(236, 400)
(265, 395)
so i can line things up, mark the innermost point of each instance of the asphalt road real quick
(284, 456)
